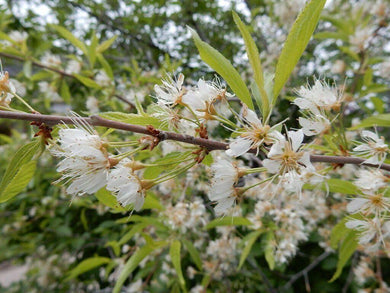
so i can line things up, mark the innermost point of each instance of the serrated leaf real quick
(87, 81)
(254, 59)
(377, 120)
(249, 240)
(131, 118)
(133, 262)
(269, 249)
(296, 42)
(228, 221)
(105, 45)
(193, 253)
(347, 248)
(87, 265)
(70, 37)
(224, 68)
(23, 156)
(19, 182)
(174, 252)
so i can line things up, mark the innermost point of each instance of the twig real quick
(306, 270)
(267, 282)
(166, 135)
(59, 71)
(350, 273)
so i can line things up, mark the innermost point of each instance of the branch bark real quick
(209, 144)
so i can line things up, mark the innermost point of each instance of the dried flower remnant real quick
(374, 148)
(6, 89)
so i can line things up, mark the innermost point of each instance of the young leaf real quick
(254, 59)
(131, 118)
(21, 158)
(87, 265)
(228, 221)
(106, 198)
(249, 240)
(347, 248)
(133, 262)
(70, 37)
(377, 120)
(19, 182)
(105, 45)
(87, 81)
(106, 65)
(269, 249)
(174, 252)
(193, 253)
(224, 68)
(296, 42)
(65, 92)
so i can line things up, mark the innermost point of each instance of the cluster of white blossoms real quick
(373, 148)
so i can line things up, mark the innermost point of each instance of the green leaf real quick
(105, 45)
(341, 186)
(377, 120)
(134, 230)
(224, 68)
(193, 253)
(338, 232)
(269, 249)
(19, 182)
(87, 265)
(347, 248)
(152, 202)
(143, 219)
(254, 59)
(133, 262)
(228, 221)
(92, 50)
(71, 38)
(65, 92)
(174, 252)
(106, 198)
(131, 118)
(19, 161)
(106, 66)
(249, 240)
(296, 42)
(87, 81)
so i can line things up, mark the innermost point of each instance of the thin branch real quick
(306, 270)
(59, 71)
(267, 282)
(350, 273)
(209, 144)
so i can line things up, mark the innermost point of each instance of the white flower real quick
(318, 98)
(252, 136)
(207, 99)
(368, 228)
(6, 89)
(51, 60)
(375, 203)
(126, 186)
(359, 39)
(103, 79)
(371, 179)
(285, 155)
(222, 190)
(374, 148)
(170, 92)
(92, 105)
(18, 37)
(316, 124)
(86, 161)
(74, 66)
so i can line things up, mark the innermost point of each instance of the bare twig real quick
(267, 282)
(306, 270)
(166, 135)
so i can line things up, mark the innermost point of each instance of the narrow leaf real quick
(131, 118)
(105, 45)
(87, 265)
(249, 240)
(174, 252)
(254, 59)
(87, 81)
(193, 253)
(377, 120)
(70, 37)
(296, 42)
(224, 68)
(228, 221)
(269, 250)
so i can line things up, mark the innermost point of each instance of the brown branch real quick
(59, 71)
(209, 144)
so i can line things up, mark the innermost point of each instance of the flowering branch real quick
(166, 135)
